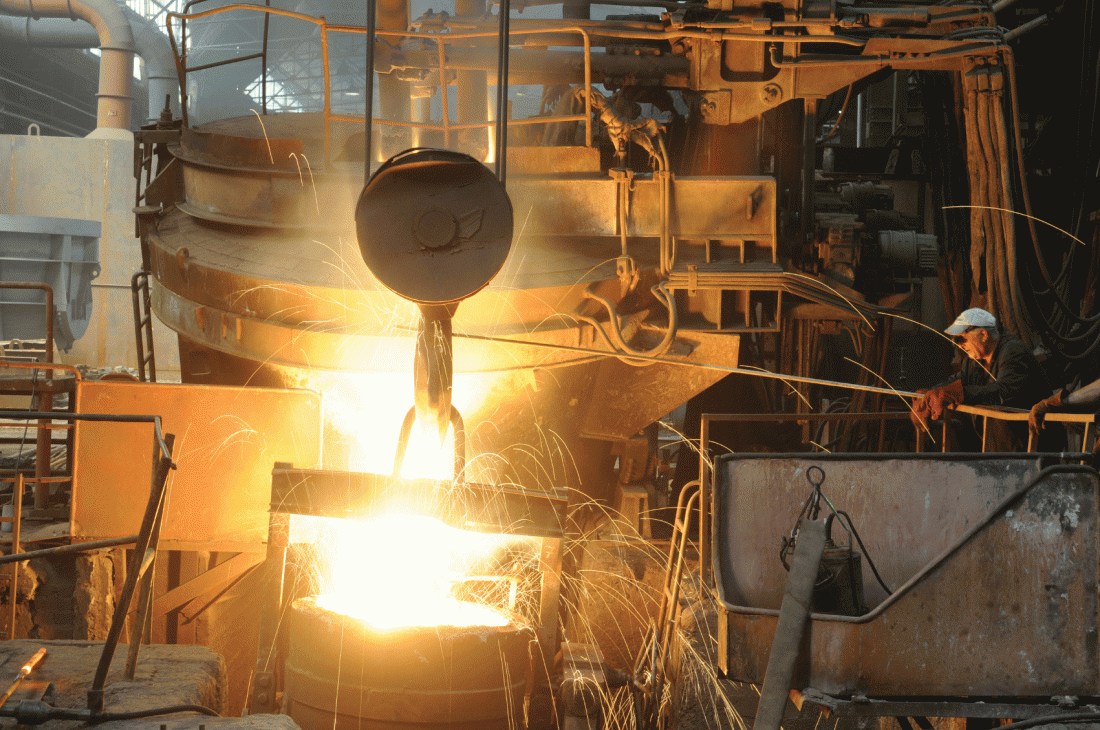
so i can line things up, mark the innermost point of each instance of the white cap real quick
(971, 318)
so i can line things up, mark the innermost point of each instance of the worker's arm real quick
(1082, 399)
(1086, 395)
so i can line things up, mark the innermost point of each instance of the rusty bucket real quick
(343, 674)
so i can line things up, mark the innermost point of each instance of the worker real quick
(999, 370)
(1083, 399)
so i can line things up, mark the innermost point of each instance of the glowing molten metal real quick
(398, 570)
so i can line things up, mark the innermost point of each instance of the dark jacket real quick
(1015, 378)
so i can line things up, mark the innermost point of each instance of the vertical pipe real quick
(809, 145)
(859, 119)
(894, 113)
(705, 477)
(393, 94)
(502, 92)
(328, 89)
(472, 91)
(368, 92)
(491, 109)
(17, 519)
(587, 88)
(444, 94)
(263, 60)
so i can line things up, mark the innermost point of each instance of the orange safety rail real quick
(441, 39)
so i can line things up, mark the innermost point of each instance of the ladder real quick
(143, 326)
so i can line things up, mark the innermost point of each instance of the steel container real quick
(343, 674)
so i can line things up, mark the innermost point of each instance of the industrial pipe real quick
(1026, 27)
(76, 547)
(116, 43)
(150, 44)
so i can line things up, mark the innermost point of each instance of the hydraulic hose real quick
(36, 712)
(1050, 719)
(616, 341)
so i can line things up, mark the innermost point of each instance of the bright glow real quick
(398, 570)
(425, 458)
(366, 409)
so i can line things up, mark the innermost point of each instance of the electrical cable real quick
(1051, 719)
(36, 712)
(1055, 291)
(1057, 326)
(138, 714)
(843, 108)
(616, 341)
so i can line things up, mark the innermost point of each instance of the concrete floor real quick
(164, 676)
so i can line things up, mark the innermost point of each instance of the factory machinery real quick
(539, 236)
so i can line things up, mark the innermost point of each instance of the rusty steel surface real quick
(702, 207)
(227, 441)
(342, 674)
(992, 563)
(620, 412)
(479, 507)
(313, 303)
(1017, 708)
(553, 160)
(288, 311)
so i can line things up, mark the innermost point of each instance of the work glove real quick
(944, 398)
(920, 412)
(1040, 410)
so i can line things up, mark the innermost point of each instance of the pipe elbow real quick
(107, 18)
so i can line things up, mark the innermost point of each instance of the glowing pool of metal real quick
(439, 611)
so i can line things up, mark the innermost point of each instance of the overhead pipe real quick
(150, 44)
(116, 43)
(1026, 27)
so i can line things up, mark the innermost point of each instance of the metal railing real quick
(1015, 415)
(440, 39)
(44, 388)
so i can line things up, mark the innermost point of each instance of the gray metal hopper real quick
(62, 253)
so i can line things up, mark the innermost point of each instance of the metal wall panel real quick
(227, 442)
(1005, 606)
